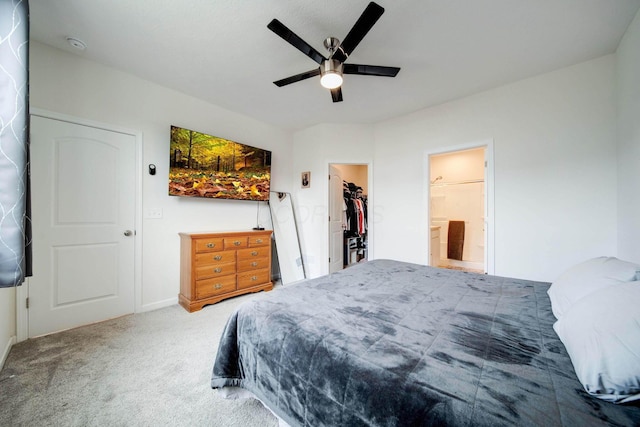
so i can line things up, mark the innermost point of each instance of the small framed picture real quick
(305, 179)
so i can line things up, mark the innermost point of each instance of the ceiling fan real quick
(332, 68)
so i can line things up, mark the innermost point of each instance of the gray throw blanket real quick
(387, 343)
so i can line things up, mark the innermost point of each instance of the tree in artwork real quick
(203, 165)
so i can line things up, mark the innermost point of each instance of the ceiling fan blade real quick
(297, 77)
(336, 94)
(370, 70)
(369, 17)
(290, 37)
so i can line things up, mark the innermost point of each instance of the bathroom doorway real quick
(458, 209)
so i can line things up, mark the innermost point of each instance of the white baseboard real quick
(159, 304)
(7, 349)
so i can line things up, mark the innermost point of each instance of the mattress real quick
(388, 343)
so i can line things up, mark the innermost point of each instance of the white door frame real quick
(489, 216)
(370, 206)
(336, 217)
(22, 292)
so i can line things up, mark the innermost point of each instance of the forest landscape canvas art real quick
(208, 166)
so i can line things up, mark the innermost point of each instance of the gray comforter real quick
(388, 343)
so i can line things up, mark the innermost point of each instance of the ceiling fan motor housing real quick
(331, 66)
(331, 43)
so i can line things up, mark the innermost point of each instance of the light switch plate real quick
(153, 213)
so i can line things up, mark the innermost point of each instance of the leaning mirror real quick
(285, 232)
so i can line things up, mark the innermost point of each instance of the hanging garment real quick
(352, 219)
(345, 221)
(365, 207)
(360, 217)
(455, 240)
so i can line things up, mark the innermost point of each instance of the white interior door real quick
(83, 199)
(336, 235)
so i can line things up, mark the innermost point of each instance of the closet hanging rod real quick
(442, 184)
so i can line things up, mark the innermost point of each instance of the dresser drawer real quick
(216, 286)
(235, 242)
(252, 264)
(209, 245)
(212, 258)
(216, 270)
(252, 253)
(259, 241)
(253, 278)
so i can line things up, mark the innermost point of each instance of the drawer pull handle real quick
(237, 243)
(218, 286)
(254, 253)
(217, 257)
(254, 264)
(211, 245)
(254, 278)
(258, 240)
(217, 270)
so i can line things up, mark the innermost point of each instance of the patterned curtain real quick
(15, 227)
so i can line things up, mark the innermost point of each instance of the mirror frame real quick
(284, 233)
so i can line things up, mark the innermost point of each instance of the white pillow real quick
(587, 277)
(601, 333)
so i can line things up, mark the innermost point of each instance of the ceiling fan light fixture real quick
(331, 72)
(331, 80)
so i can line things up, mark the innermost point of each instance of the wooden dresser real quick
(215, 266)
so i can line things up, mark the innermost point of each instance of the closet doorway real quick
(348, 215)
(458, 213)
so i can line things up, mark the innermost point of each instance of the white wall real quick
(313, 149)
(555, 169)
(357, 174)
(628, 94)
(66, 83)
(451, 167)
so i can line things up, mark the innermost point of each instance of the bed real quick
(390, 343)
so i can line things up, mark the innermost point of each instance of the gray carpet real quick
(148, 369)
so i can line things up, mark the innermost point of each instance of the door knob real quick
(128, 233)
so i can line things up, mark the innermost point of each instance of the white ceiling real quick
(221, 50)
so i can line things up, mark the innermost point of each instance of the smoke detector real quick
(76, 43)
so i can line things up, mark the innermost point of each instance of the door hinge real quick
(27, 302)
